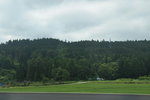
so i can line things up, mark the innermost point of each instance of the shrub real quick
(144, 77)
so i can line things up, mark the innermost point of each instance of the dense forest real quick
(53, 59)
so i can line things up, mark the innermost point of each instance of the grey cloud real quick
(76, 21)
(119, 20)
(34, 4)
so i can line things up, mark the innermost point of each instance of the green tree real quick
(108, 70)
(60, 74)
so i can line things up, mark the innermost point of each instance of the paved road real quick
(65, 96)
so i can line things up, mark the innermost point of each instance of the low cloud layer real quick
(74, 20)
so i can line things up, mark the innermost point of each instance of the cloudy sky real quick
(74, 20)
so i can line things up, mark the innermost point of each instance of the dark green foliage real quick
(45, 80)
(36, 60)
(108, 70)
(7, 75)
(144, 77)
(60, 74)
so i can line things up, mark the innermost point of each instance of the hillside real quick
(52, 59)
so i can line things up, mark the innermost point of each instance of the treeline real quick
(52, 59)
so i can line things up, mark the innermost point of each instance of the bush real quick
(60, 74)
(144, 77)
(45, 80)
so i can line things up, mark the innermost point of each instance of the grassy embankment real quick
(125, 87)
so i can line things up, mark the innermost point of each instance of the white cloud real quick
(75, 19)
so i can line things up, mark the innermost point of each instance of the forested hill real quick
(36, 60)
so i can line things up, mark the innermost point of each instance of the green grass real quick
(89, 87)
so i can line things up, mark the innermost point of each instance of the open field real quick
(141, 87)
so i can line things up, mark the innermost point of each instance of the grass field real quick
(89, 87)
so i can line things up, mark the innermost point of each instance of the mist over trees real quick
(53, 59)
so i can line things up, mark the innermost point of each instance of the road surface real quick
(70, 96)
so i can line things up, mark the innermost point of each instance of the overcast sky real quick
(74, 20)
